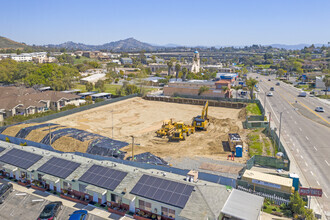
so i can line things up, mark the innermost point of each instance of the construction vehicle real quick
(181, 131)
(166, 128)
(201, 122)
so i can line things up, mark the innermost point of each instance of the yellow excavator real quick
(201, 122)
(181, 131)
(166, 128)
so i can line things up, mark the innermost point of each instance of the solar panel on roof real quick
(103, 177)
(161, 190)
(59, 167)
(20, 158)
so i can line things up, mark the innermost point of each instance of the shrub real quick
(7, 140)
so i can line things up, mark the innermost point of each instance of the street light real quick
(279, 132)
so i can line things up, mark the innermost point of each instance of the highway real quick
(306, 133)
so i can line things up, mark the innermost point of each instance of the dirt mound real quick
(242, 114)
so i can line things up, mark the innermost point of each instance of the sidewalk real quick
(77, 206)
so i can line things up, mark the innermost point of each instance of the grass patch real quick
(267, 145)
(110, 88)
(255, 146)
(264, 66)
(253, 109)
(323, 96)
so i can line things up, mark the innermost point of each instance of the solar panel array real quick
(162, 190)
(59, 167)
(20, 158)
(103, 177)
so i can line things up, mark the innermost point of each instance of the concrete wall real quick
(170, 91)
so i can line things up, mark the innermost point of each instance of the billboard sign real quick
(310, 192)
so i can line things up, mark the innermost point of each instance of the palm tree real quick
(236, 88)
(169, 65)
(184, 72)
(251, 84)
(326, 81)
(177, 69)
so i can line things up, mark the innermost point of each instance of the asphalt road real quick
(305, 132)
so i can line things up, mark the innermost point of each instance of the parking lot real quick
(21, 205)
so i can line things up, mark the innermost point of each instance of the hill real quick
(129, 44)
(6, 43)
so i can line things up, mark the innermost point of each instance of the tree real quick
(236, 89)
(297, 205)
(251, 84)
(89, 86)
(281, 72)
(326, 81)
(203, 89)
(184, 73)
(100, 85)
(177, 69)
(169, 66)
(226, 91)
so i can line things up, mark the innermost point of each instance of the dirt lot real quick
(142, 118)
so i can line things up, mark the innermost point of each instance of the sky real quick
(161, 22)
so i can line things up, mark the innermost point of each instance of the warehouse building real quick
(119, 187)
(269, 181)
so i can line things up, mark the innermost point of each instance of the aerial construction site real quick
(142, 118)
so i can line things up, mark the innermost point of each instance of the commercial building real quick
(120, 187)
(126, 60)
(269, 181)
(192, 87)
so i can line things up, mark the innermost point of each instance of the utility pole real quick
(265, 103)
(132, 148)
(279, 133)
(50, 135)
(112, 122)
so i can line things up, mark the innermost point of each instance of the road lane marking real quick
(318, 183)
(312, 173)
(327, 162)
(291, 116)
(288, 112)
(295, 122)
(300, 129)
(314, 113)
(306, 164)
(20, 194)
(293, 144)
(307, 138)
(301, 157)
(297, 150)
(315, 148)
(325, 194)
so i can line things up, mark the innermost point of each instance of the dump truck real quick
(166, 128)
(181, 131)
(201, 122)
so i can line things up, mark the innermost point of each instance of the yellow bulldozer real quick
(166, 128)
(201, 122)
(181, 131)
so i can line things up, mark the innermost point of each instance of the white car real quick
(270, 94)
(319, 109)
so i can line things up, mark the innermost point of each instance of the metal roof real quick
(282, 181)
(243, 205)
(101, 94)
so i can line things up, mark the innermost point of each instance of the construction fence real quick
(193, 100)
(264, 161)
(80, 109)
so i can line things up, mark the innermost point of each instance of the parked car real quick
(277, 83)
(79, 215)
(5, 190)
(272, 89)
(270, 94)
(243, 93)
(269, 79)
(50, 212)
(302, 94)
(319, 109)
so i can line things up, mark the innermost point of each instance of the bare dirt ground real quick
(142, 118)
